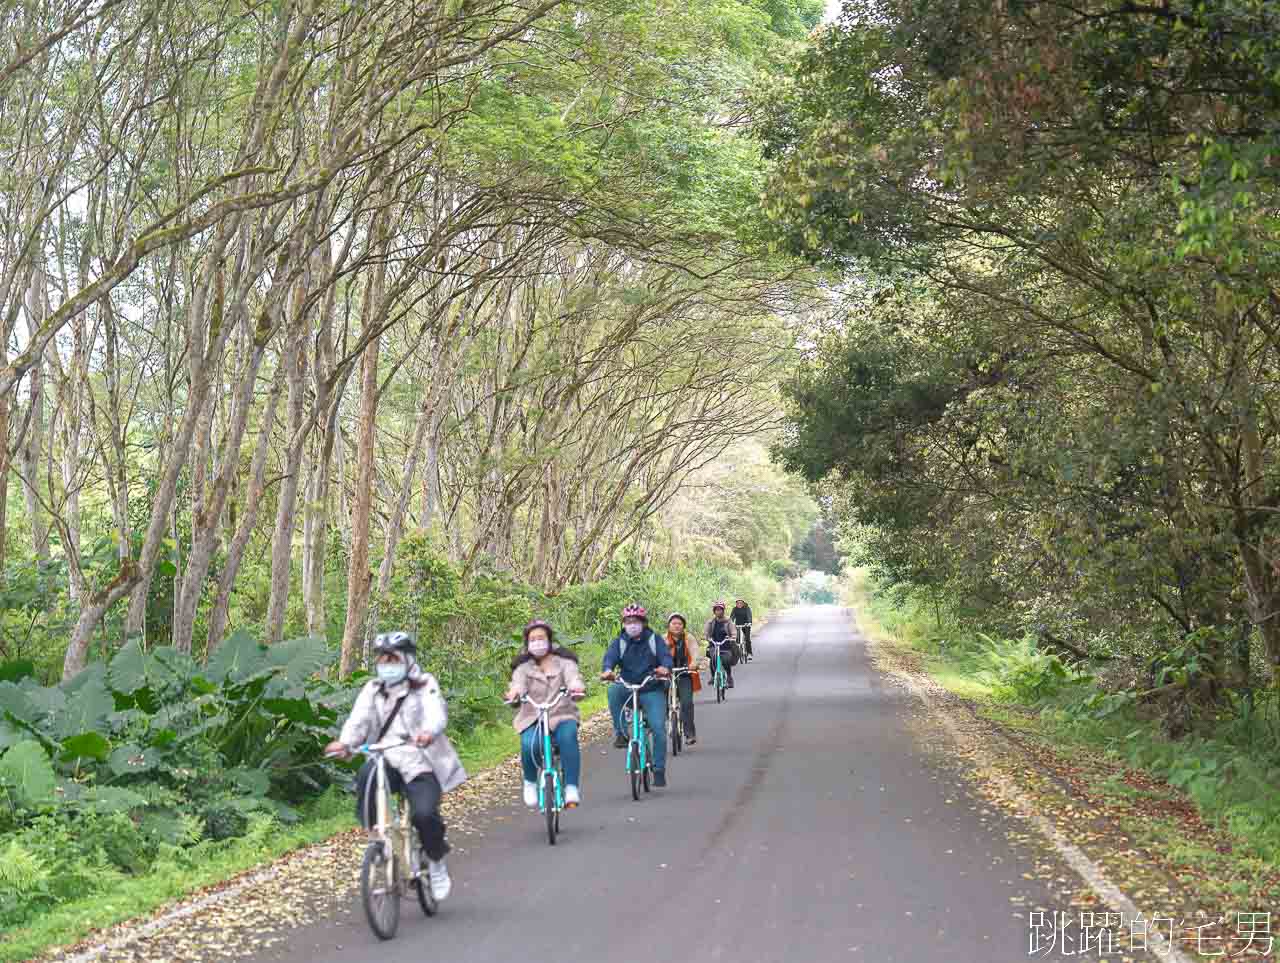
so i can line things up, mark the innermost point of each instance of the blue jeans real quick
(565, 737)
(654, 706)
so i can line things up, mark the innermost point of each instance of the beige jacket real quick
(541, 685)
(423, 711)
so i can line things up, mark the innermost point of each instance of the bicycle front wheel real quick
(550, 806)
(648, 762)
(633, 769)
(381, 899)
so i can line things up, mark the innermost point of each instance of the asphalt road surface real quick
(812, 822)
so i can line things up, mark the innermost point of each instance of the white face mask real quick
(634, 629)
(539, 647)
(391, 673)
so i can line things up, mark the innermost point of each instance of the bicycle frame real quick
(391, 829)
(638, 761)
(544, 737)
(673, 707)
(719, 678)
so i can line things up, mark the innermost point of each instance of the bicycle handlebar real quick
(369, 749)
(542, 706)
(635, 688)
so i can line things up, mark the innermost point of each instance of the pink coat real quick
(541, 685)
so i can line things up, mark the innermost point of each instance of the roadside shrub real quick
(1018, 670)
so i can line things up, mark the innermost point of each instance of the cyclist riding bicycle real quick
(682, 656)
(741, 617)
(637, 653)
(721, 629)
(540, 671)
(403, 704)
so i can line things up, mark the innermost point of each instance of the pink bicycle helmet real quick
(717, 605)
(635, 611)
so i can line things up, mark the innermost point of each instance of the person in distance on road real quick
(635, 654)
(402, 703)
(682, 656)
(719, 629)
(741, 616)
(540, 671)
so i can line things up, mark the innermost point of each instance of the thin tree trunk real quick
(287, 502)
(133, 573)
(359, 578)
(33, 446)
(204, 524)
(248, 517)
(395, 525)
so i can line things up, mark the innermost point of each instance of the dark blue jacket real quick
(639, 659)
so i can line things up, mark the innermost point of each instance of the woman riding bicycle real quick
(639, 653)
(722, 630)
(741, 617)
(540, 671)
(403, 704)
(682, 657)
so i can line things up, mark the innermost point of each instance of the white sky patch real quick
(833, 11)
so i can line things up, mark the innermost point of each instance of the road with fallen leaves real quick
(819, 818)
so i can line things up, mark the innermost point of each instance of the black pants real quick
(744, 633)
(684, 692)
(424, 805)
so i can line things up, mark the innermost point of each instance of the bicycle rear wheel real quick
(381, 903)
(633, 768)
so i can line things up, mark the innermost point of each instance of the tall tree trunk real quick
(33, 446)
(287, 501)
(248, 516)
(359, 578)
(204, 325)
(204, 524)
(395, 525)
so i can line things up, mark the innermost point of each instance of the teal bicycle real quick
(550, 773)
(640, 747)
(675, 720)
(719, 678)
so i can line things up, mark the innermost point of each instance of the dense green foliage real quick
(1048, 401)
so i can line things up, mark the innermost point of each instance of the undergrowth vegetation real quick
(1226, 765)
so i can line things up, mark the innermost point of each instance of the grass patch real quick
(172, 879)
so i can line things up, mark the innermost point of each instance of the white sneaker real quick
(571, 796)
(531, 795)
(441, 884)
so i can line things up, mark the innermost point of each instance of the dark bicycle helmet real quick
(401, 642)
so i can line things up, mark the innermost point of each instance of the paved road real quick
(808, 824)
